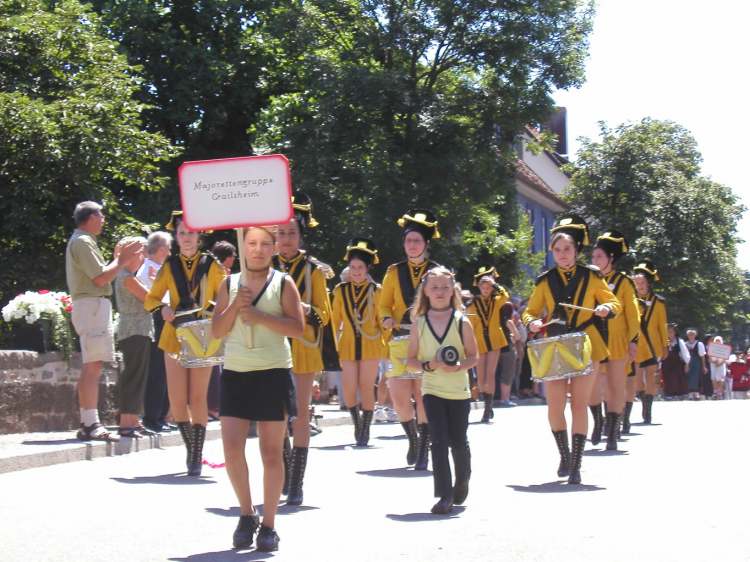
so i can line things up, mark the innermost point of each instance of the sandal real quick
(130, 432)
(95, 432)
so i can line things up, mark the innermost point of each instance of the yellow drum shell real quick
(198, 347)
(560, 357)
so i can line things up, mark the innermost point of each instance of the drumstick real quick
(553, 321)
(574, 307)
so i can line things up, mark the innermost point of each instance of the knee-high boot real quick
(187, 438)
(297, 475)
(626, 418)
(423, 447)
(287, 458)
(354, 412)
(462, 466)
(648, 402)
(488, 402)
(561, 438)
(576, 456)
(364, 430)
(198, 436)
(613, 424)
(596, 433)
(410, 428)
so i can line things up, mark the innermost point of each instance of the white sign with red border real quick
(719, 350)
(236, 192)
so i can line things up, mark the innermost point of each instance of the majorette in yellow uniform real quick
(308, 274)
(653, 338)
(484, 314)
(619, 332)
(355, 310)
(200, 278)
(582, 286)
(400, 288)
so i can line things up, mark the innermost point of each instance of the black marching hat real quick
(422, 221)
(646, 267)
(302, 206)
(574, 226)
(363, 249)
(613, 243)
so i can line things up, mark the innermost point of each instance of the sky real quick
(687, 61)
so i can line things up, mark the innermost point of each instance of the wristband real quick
(426, 367)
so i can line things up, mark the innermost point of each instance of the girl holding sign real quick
(192, 279)
(256, 384)
(361, 345)
(653, 341)
(309, 275)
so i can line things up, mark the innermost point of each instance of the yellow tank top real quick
(451, 386)
(270, 350)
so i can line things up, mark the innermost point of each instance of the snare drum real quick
(398, 351)
(198, 348)
(560, 357)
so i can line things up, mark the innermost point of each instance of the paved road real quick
(678, 493)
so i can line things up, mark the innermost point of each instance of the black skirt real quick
(258, 395)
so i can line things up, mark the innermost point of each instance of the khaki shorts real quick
(92, 320)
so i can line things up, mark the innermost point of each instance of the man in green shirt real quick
(90, 279)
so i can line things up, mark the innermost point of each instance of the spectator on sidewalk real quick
(155, 399)
(89, 279)
(696, 367)
(135, 332)
(675, 366)
(718, 371)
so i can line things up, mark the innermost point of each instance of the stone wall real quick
(38, 392)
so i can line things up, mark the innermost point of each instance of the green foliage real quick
(70, 130)
(645, 180)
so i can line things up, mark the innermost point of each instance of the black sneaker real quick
(245, 531)
(268, 540)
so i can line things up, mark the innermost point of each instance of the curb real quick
(125, 446)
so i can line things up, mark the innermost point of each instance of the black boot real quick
(198, 436)
(561, 438)
(462, 466)
(596, 433)
(185, 431)
(410, 428)
(354, 412)
(287, 457)
(576, 456)
(488, 413)
(613, 423)
(423, 447)
(245, 531)
(626, 418)
(648, 402)
(297, 475)
(364, 429)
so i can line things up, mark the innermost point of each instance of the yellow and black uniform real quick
(653, 338)
(619, 332)
(581, 286)
(191, 283)
(355, 310)
(400, 288)
(311, 283)
(484, 315)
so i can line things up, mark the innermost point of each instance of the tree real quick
(400, 104)
(70, 130)
(645, 180)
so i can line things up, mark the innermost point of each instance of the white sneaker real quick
(380, 415)
(391, 414)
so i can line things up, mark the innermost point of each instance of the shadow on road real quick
(177, 478)
(556, 487)
(392, 437)
(54, 442)
(604, 453)
(336, 447)
(396, 473)
(282, 509)
(643, 424)
(225, 556)
(419, 517)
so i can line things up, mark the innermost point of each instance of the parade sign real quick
(719, 350)
(236, 192)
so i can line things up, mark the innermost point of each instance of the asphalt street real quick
(677, 491)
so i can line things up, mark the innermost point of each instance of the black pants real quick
(132, 380)
(156, 399)
(449, 421)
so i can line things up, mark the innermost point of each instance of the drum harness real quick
(304, 285)
(565, 294)
(646, 320)
(189, 291)
(408, 290)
